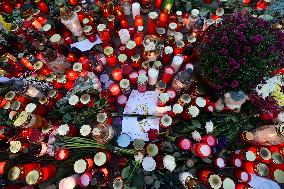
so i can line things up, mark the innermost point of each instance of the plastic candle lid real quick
(250, 156)
(228, 183)
(14, 173)
(101, 27)
(177, 108)
(262, 169)
(46, 27)
(124, 83)
(279, 175)
(122, 57)
(123, 140)
(55, 38)
(80, 166)
(153, 15)
(142, 78)
(265, 153)
(122, 99)
(32, 177)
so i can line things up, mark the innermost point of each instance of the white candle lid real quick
(108, 50)
(153, 72)
(55, 38)
(178, 13)
(238, 162)
(168, 50)
(177, 108)
(142, 78)
(220, 12)
(179, 44)
(186, 98)
(172, 25)
(210, 21)
(228, 184)
(85, 130)
(122, 57)
(38, 65)
(46, 27)
(153, 15)
(171, 93)
(10, 95)
(136, 5)
(277, 158)
(178, 59)
(148, 163)
(30, 107)
(220, 162)
(158, 64)
(164, 97)
(85, 99)
(61, 79)
(215, 181)
(124, 83)
(80, 166)
(100, 159)
(191, 39)
(15, 146)
(101, 27)
(131, 44)
(178, 36)
(279, 175)
(200, 101)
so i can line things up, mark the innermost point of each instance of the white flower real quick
(139, 157)
(63, 129)
(148, 163)
(193, 111)
(196, 135)
(209, 127)
(169, 162)
(85, 130)
(73, 100)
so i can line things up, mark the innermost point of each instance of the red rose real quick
(153, 134)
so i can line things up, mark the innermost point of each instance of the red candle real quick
(211, 140)
(42, 6)
(81, 15)
(207, 1)
(202, 150)
(167, 54)
(2, 167)
(71, 57)
(136, 61)
(48, 172)
(158, 3)
(133, 78)
(163, 20)
(103, 33)
(204, 174)
(110, 56)
(116, 74)
(114, 89)
(168, 74)
(262, 4)
(71, 75)
(138, 20)
(41, 19)
(61, 154)
(152, 22)
(242, 176)
(6, 7)
(110, 23)
(130, 48)
(124, 23)
(138, 38)
(24, 61)
(73, 2)
(179, 47)
(119, 13)
(184, 144)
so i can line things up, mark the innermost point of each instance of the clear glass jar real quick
(103, 134)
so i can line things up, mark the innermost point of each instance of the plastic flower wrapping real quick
(141, 94)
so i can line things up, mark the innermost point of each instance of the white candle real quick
(124, 36)
(153, 76)
(69, 182)
(176, 63)
(73, 25)
(135, 10)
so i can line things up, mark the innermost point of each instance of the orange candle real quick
(2, 167)
(26, 63)
(116, 74)
(138, 20)
(138, 38)
(163, 19)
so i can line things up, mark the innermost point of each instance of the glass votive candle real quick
(110, 56)
(163, 19)
(139, 20)
(130, 48)
(179, 47)
(122, 59)
(103, 33)
(168, 74)
(119, 13)
(86, 22)
(138, 37)
(81, 15)
(133, 77)
(116, 74)
(163, 99)
(153, 76)
(114, 89)
(136, 61)
(167, 54)
(142, 83)
(172, 28)
(124, 23)
(88, 30)
(177, 62)
(126, 69)
(125, 86)
(161, 86)
(47, 28)
(180, 24)
(184, 99)
(152, 22)
(110, 22)
(106, 10)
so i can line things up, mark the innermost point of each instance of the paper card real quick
(138, 129)
(86, 45)
(142, 103)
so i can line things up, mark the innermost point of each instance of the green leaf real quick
(196, 124)
(67, 118)
(138, 181)
(125, 172)
(234, 119)
(157, 184)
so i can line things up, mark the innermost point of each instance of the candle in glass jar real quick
(130, 48)
(158, 4)
(70, 20)
(168, 74)
(110, 56)
(24, 61)
(103, 33)
(88, 30)
(124, 36)
(179, 47)
(153, 76)
(167, 54)
(152, 22)
(138, 37)
(116, 74)
(114, 89)
(6, 7)
(176, 63)
(135, 9)
(118, 13)
(124, 86)
(37, 24)
(136, 61)
(124, 23)
(41, 19)
(142, 83)
(42, 6)
(138, 20)
(163, 19)
(111, 19)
